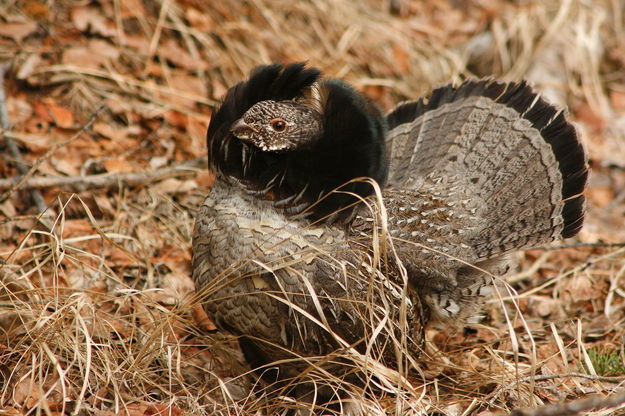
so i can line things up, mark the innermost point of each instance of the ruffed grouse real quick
(288, 253)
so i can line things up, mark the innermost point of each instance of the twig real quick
(14, 151)
(612, 165)
(22, 167)
(47, 155)
(574, 407)
(507, 387)
(573, 245)
(107, 180)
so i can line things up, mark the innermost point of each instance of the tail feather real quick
(515, 154)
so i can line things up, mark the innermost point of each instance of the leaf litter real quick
(98, 313)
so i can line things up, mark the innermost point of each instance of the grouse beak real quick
(241, 129)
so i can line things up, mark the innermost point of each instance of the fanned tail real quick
(514, 154)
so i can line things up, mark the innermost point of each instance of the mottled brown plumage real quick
(299, 270)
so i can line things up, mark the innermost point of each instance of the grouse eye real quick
(278, 124)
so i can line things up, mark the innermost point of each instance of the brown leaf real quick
(201, 319)
(27, 393)
(11, 411)
(20, 110)
(600, 195)
(68, 165)
(219, 91)
(173, 186)
(97, 53)
(41, 111)
(402, 60)
(604, 324)
(118, 256)
(173, 52)
(90, 19)
(134, 409)
(77, 227)
(617, 98)
(163, 409)
(17, 30)
(36, 9)
(188, 84)
(199, 20)
(118, 134)
(104, 205)
(37, 141)
(117, 165)
(138, 42)
(588, 115)
(545, 306)
(104, 48)
(176, 118)
(205, 180)
(581, 287)
(28, 66)
(132, 8)
(61, 116)
(108, 131)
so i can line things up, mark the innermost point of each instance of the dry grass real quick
(97, 309)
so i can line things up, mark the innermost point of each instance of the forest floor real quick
(105, 110)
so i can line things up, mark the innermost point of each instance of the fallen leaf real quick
(67, 166)
(117, 165)
(589, 116)
(580, 287)
(41, 111)
(61, 116)
(11, 411)
(77, 227)
(134, 409)
(163, 410)
(20, 110)
(199, 20)
(115, 132)
(36, 9)
(205, 180)
(545, 306)
(132, 8)
(201, 318)
(176, 118)
(32, 62)
(617, 98)
(197, 127)
(190, 85)
(219, 90)
(600, 195)
(94, 55)
(17, 30)
(454, 409)
(104, 205)
(603, 324)
(402, 60)
(158, 161)
(108, 323)
(173, 52)
(492, 413)
(173, 186)
(104, 48)
(138, 42)
(27, 393)
(90, 20)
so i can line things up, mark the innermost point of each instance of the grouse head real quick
(275, 126)
(301, 141)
